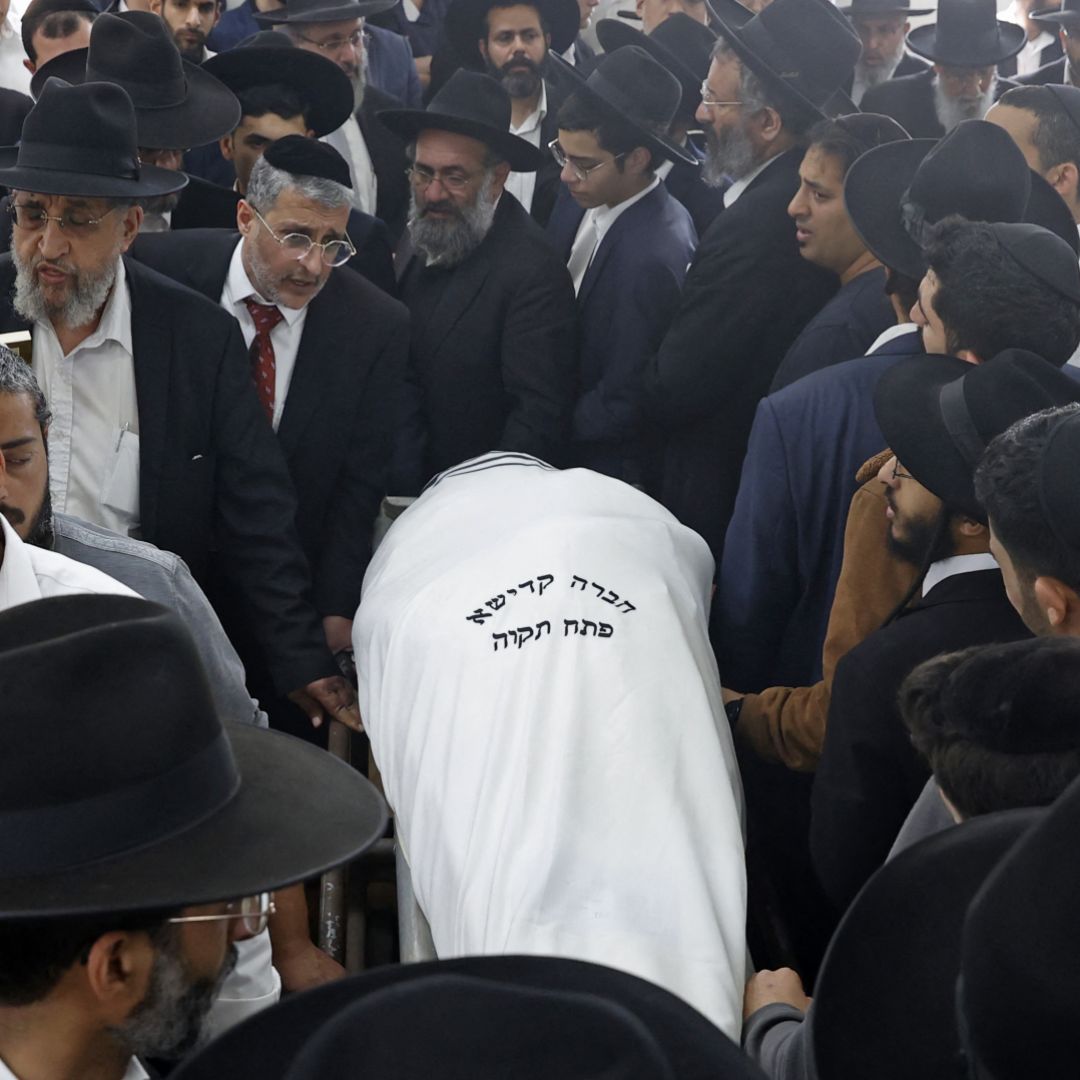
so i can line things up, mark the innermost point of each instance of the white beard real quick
(951, 111)
(876, 74)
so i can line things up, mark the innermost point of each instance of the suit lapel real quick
(628, 222)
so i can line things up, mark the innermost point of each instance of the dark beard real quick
(41, 533)
(518, 84)
(919, 547)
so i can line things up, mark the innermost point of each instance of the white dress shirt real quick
(889, 334)
(1027, 59)
(522, 185)
(957, 564)
(285, 337)
(134, 1071)
(94, 435)
(13, 74)
(348, 141)
(732, 194)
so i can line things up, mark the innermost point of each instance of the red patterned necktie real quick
(263, 367)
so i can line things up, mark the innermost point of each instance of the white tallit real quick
(544, 707)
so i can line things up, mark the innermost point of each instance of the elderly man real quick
(537, 680)
(157, 428)
(965, 45)
(124, 887)
(493, 358)
(330, 394)
(882, 26)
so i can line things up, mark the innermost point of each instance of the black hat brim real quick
(659, 145)
(299, 811)
(923, 42)
(152, 180)
(1056, 17)
(330, 13)
(464, 18)
(325, 88)
(208, 111)
(267, 1044)
(408, 123)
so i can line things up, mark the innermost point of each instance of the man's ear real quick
(117, 973)
(640, 160)
(225, 145)
(132, 221)
(1064, 178)
(972, 528)
(1059, 604)
(498, 181)
(770, 125)
(156, 6)
(481, 44)
(245, 217)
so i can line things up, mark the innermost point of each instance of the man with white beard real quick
(965, 46)
(881, 26)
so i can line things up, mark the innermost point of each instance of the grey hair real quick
(491, 157)
(267, 183)
(752, 91)
(17, 377)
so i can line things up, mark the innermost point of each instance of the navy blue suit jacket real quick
(391, 67)
(627, 300)
(785, 543)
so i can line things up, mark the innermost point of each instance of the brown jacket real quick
(787, 724)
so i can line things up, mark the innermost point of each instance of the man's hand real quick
(728, 696)
(305, 967)
(781, 987)
(338, 631)
(333, 697)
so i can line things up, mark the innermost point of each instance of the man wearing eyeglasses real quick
(328, 390)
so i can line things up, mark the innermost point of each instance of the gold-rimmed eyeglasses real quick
(333, 252)
(76, 222)
(710, 102)
(254, 911)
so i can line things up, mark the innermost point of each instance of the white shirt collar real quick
(238, 287)
(134, 1071)
(737, 188)
(18, 583)
(891, 334)
(957, 564)
(533, 121)
(606, 216)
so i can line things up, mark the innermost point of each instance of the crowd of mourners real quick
(653, 428)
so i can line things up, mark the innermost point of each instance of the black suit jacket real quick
(1053, 72)
(493, 362)
(387, 159)
(204, 205)
(910, 102)
(335, 427)
(1047, 55)
(548, 184)
(702, 201)
(748, 294)
(909, 65)
(213, 484)
(13, 109)
(870, 775)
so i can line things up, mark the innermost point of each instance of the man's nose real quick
(192, 19)
(52, 241)
(312, 261)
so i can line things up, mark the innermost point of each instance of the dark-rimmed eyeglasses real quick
(299, 246)
(580, 171)
(75, 222)
(254, 911)
(898, 473)
(457, 183)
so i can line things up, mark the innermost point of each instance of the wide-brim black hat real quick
(613, 87)
(878, 8)
(184, 106)
(884, 1005)
(967, 33)
(464, 24)
(1066, 14)
(269, 1043)
(681, 44)
(270, 57)
(938, 414)
(470, 104)
(298, 12)
(804, 51)
(122, 790)
(81, 140)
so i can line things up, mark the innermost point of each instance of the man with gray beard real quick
(881, 26)
(493, 363)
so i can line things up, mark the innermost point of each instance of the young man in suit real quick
(882, 26)
(1042, 46)
(190, 23)
(493, 361)
(627, 243)
(1065, 70)
(748, 292)
(157, 428)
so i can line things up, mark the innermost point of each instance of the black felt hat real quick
(878, 8)
(470, 104)
(938, 414)
(301, 12)
(1058, 493)
(1019, 979)
(683, 45)
(884, 1005)
(895, 192)
(1067, 13)
(802, 50)
(270, 57)
(630, 85)
(36, 11)
(464, 24)
(272, 1044)
(80, 140)
(177, 104)
(120, 790)
(301, 156)
(967, 33)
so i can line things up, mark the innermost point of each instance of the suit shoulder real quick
(175, 303)
(896, 90)
(347, 287)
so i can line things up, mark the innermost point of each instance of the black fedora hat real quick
(967, 33)
(1067, 13)
(272, 1041)
(468, 104)
(299, 12)
(464, 24)
(683, 45)
(632, 86)
(80, 140)
(177, 104)
(938, 414)
(802, 50)
(1019, 979)
(120, 789)
(875, 9)
(884, 1004)
(271, 57)
(893, 192)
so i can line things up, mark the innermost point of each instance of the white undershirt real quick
(889, 335)
(522, 185)
(957, 564)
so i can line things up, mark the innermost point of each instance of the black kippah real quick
(1045, 256)
(1058, 494)
(301, 156)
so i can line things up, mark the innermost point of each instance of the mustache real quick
(520, 62)
(53, 264)
(442, 207)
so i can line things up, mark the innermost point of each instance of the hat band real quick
(52, 157)
(50, 838)
(166, 94)
(958, 422)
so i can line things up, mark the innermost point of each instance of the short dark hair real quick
(276, 98)
(1056, 137)
(988, 302)
(35, 953)
(998, 724)
(904, 288)
(515, 3)
(849, 137)
(579, 113)
(54, 25)
(1007, 485)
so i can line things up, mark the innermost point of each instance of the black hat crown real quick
(636, 87)
(967, 33)
(471, 96)
(137, 52)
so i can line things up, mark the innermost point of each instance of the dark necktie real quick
(263, 367)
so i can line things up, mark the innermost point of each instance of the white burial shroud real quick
(544, 708)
